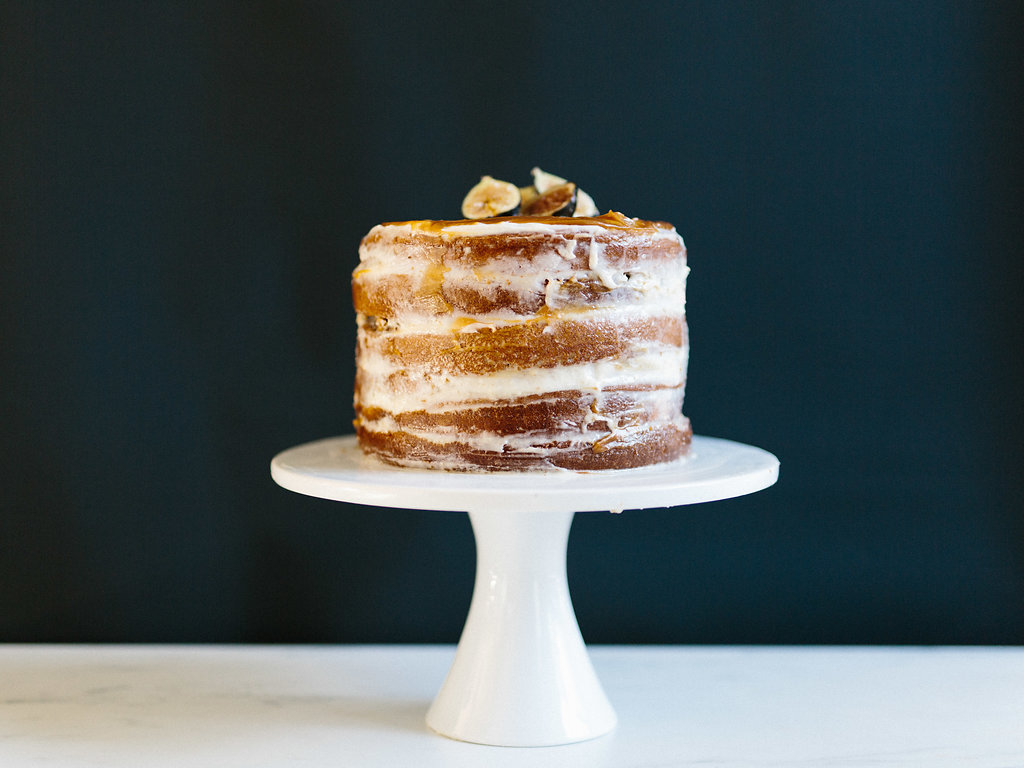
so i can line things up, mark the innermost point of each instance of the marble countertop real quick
(252, 706)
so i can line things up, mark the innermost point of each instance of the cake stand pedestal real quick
(521, 674)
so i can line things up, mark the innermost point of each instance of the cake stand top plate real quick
(336, 469)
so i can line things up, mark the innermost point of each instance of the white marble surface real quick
(253, 706)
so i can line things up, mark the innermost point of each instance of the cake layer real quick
(492, 348)
(655, 444)
(612, 241)
(564, 411)
(453, 290)
(515, 265)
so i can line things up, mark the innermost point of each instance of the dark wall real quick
(183, 190)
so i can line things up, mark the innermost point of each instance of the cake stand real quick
(521, 674)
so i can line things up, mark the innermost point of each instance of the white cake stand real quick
(521, 674)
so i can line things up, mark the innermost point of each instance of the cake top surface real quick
(612, 220)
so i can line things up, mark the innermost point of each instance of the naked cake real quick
(532, 334)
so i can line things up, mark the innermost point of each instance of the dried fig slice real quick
(557, 201)
(585, 205)
(527, 195)
(491, 197)
(543, 181)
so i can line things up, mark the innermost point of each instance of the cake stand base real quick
(521, 674)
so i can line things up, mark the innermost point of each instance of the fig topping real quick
(491, 197)
(549, 195)
(585, 205)
(543, 181)
(527, 196)
(556, 201)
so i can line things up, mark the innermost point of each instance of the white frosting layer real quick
(525, 275)
(572, 228)
(617, 314)
(537, 443)
(385, 385)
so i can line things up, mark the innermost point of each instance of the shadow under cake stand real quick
(521, 674)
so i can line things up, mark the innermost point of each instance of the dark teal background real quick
(183, 188)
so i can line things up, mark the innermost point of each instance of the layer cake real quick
(522, 343)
